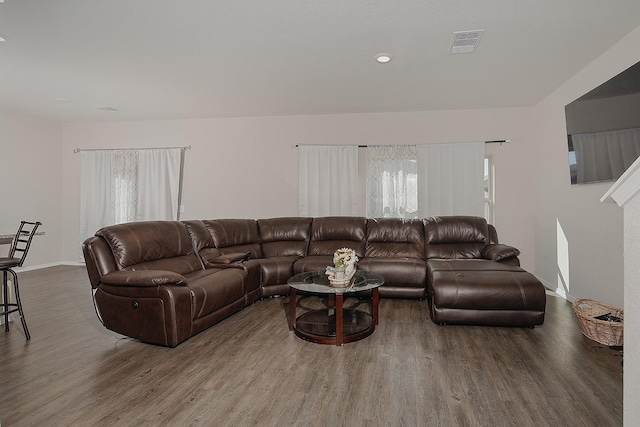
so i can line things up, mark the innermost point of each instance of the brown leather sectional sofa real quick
(164, 281)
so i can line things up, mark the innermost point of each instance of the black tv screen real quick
(603, 129)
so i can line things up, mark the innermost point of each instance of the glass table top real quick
(318, 281)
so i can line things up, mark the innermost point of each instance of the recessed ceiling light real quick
(383, 58)
(3, 38)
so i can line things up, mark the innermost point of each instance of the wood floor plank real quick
(251, 370)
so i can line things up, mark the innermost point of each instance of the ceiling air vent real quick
(465, 41)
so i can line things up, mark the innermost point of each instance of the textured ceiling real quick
(161, 59)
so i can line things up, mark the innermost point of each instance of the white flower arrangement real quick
(344, 267)
(344, 257)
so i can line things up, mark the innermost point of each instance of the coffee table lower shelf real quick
(319, 326)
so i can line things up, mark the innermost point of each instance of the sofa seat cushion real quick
(213, 289)
(406, 272)
(276, 270)
(484, 285)
(312, 263)
(180, 265)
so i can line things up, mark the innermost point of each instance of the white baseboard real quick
(73, 263)
(560, 291)
(36, 267)
(50, 264)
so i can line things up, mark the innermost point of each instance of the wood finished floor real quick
(250, 370)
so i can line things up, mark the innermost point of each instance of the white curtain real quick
(392, 181)
(158, 184)
(328, 180)
(451, 179)
(604, 156)
(97, 168)
(119, 186)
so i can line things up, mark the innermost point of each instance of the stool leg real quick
(5, 300)
(15, 288)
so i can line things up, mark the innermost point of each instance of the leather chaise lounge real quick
(475, 280)
(162, 282)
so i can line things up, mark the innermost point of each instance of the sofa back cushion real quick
(395, 237)
(455, 237)
(493, 235)
(202, 241)
(284, 236)
(329, 234)
(235, 236)
(151, 245)
(199, 233)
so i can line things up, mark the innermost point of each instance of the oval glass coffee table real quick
(334, 324)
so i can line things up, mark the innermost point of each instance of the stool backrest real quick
(22, 240)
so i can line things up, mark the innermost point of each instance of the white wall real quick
(247, 167)
(579, 245)
(31, 177)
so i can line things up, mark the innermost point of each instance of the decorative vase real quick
(350, 269)
(344, 267)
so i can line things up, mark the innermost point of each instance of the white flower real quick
(344, 257)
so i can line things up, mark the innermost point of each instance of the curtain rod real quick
(77, 150)
(496, 141)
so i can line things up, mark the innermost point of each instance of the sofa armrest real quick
(499, 252)
(144, 278)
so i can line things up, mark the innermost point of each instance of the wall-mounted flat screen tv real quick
(603, 129)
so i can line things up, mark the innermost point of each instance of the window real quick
(124, 186)
(489, 189)
(392, 182)
(125, 199)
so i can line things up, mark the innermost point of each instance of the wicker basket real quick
(603, 331)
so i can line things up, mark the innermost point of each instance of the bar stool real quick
(19, 246)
